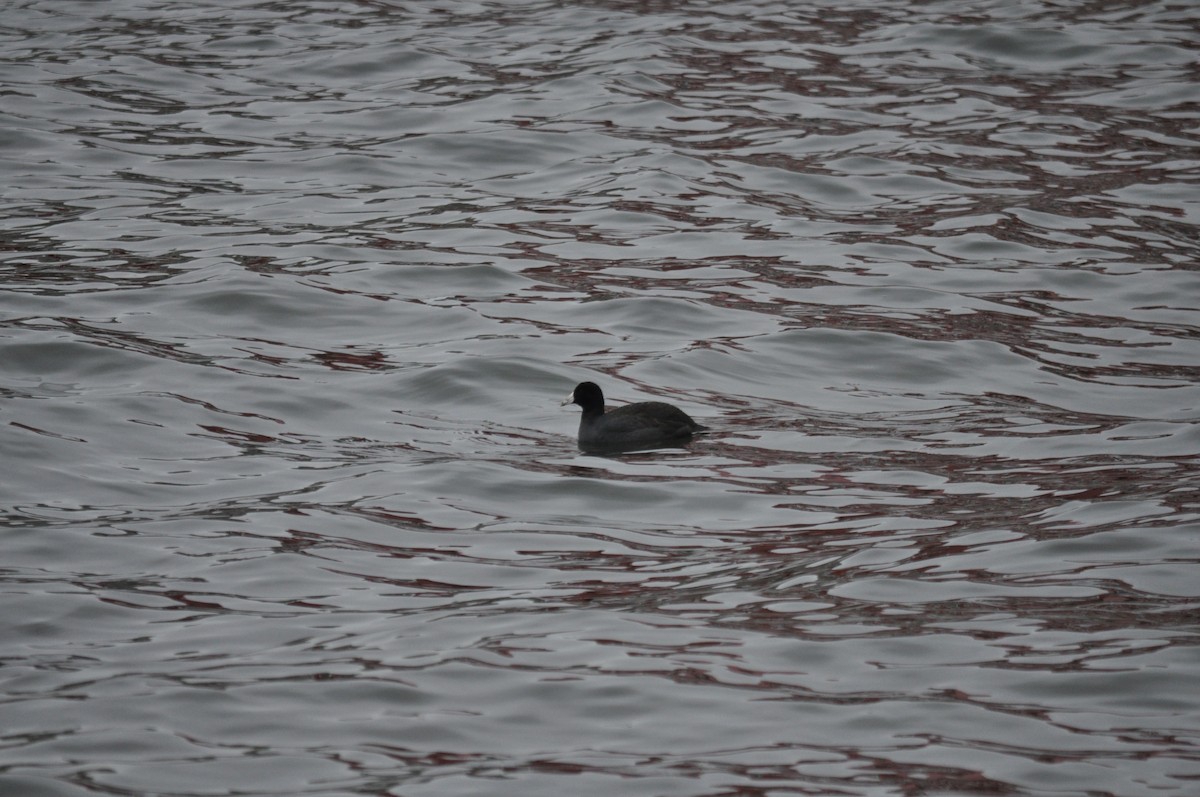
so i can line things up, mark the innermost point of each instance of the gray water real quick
(291, 294)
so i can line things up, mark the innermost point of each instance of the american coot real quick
(645, 424)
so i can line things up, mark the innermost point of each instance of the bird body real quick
(645, 424)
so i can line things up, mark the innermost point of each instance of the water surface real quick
(291, 293)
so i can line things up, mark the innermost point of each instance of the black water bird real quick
(646, 424)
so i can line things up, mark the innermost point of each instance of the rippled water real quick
(292, 292)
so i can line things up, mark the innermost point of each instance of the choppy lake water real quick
(291, 294)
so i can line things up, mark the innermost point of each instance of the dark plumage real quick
(646, 424)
